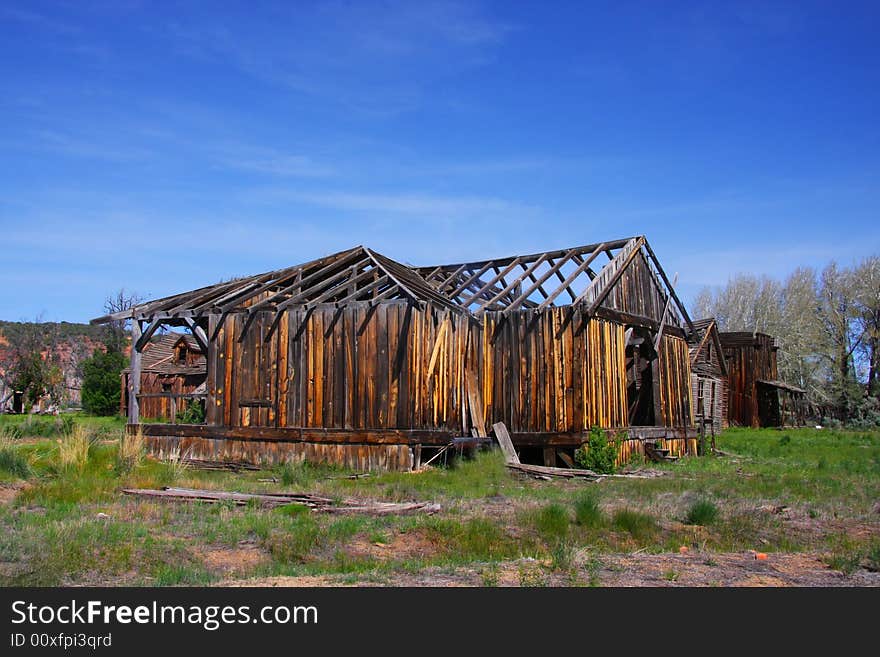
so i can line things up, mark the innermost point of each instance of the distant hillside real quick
(65, 330)
(68, 344)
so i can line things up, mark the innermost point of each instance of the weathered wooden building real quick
(708, 377)
(173, 371)
(360, 360)
(756, 396)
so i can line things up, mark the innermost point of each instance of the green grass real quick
(587, 512)
(13, 463)
(551, 521)
(639, 525)
(702, 512)
(48, 426)
(51, 534)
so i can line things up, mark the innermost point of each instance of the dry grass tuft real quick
(131, 450)
(73, 449)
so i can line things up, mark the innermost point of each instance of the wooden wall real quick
(709, 395)
(356, 457)
(395, 366)
(152, 383)
(636, 292)
(674, 384)
(749, 359)
(539, 376)
(709, 380)
(360, 367)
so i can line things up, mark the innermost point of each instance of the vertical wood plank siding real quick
(382, 367)
(749, 358)
(538, 378)
(676, 409)
(397, 366)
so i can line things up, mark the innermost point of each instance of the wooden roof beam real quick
(369, 288)
(501, 262)
(342, 277)
(518, 280)
(340, 287)
(584, 265)
(498, 276)
(448, 279)
(473, 277)
(537, 284)
(339, 260)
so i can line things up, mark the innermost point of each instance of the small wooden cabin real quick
(756, 397)
(360, 360)
(173, 371)
(708, 377)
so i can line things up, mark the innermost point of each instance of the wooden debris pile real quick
(546, 472)
(314, 502)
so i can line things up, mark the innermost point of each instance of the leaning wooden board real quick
(503, 437)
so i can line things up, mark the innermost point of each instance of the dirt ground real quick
(622, 570)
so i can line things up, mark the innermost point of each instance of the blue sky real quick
(165, 146)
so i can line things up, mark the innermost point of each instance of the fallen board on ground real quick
(313, 502)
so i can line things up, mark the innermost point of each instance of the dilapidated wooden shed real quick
(756, 397)
(173, 371)
(360, 360)
(708, 377)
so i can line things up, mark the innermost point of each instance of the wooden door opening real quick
(640, 357)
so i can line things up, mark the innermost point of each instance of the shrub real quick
(702, 512)
(100, 385)
(586, 510)
(598, 453)
(191, 413)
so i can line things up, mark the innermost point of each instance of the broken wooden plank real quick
(547, 471)
(475, 403)
(503, 437)
(542, 471)
(314, 502)
(384, 508)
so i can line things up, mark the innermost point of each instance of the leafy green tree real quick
(100, 387)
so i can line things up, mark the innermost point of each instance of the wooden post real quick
(134, 377)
